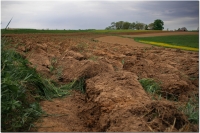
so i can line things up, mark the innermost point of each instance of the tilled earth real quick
(114, 99)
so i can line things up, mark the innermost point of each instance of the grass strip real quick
(177, 40)
(93, 31)
(169, 45)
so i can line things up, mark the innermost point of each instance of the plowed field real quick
(112, 67)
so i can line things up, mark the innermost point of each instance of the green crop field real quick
(179, 40)
(23, 31)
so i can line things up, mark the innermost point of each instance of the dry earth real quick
(114, 98)
(122, 41)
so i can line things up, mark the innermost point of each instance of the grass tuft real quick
(79, 85)
(150, 85)
(191, 109)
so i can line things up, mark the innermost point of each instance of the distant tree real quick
(113, 25)
(133, 25)
(119, 25)
(126, 25)
(108, 28)
(146, 27)
(158, 24)
(139, 26)
(150, 26)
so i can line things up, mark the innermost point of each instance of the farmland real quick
(125, 85)
(179, 40)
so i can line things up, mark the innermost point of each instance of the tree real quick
(119, 25)
(139, 26)
(133, 25)
(126, 25)
(150, 26)
(146, 27)
(113, 25)
(108, 28)
(158, 24)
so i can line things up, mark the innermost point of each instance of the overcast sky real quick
(98, 14)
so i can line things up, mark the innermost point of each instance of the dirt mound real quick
(75, 69)
(121, 104)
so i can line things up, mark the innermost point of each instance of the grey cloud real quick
(98, 14)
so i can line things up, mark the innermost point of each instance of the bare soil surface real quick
(122, 41)
(112, 67)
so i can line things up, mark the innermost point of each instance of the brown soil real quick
(120, 40)
(114, 98)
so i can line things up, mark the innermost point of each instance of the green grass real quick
(179, 40)
(24, 31)
(150, 85)
(123, 61)
(191, 109)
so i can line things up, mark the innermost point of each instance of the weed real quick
(51, 68)
(79, 85)
(115, 49)
(59, 72)
(150, 85)
(81, 47)
(93, 58)
(191, 109)
(160, 97)
(53, 63)
(123, 61)
(193, 78)
(169, 96)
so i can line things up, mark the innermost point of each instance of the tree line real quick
(156, 25)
